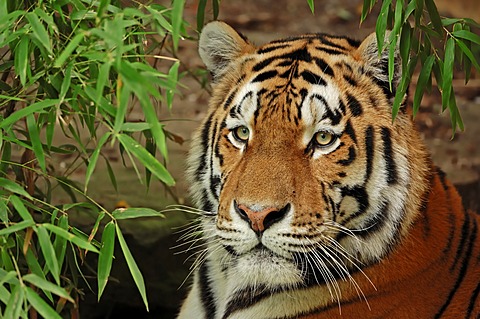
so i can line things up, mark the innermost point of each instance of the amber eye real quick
(241, 133)
(324, 138)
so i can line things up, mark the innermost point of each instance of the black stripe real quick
(464, 264)
(312, 78)
(229, 99)
(270, 48)
(354, 105)
(264, 76)
(206, 204)
(350, 80)
(324, 66)
(376, 222)
(472, 302)
(342, 106)
(463, 239)
(297, 55)
(351, 157)
(361, 196)
(206, 293)
(303, 93)
(246, 298)
(330, 51)
(350, 131)
(335, 116)
(388, 155)
(369, 147)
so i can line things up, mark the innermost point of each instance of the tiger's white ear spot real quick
(377, 64)
(219, 45)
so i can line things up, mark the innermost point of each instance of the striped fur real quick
(363, 226)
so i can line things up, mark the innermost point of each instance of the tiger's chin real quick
(261, 267)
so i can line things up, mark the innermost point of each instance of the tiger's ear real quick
(377, 64)
(219, 45)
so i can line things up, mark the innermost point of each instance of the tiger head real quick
(301, 172)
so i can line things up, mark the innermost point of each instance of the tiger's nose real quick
(259, 220)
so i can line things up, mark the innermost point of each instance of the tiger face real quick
(302, 174)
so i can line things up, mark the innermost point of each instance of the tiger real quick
(314, 202)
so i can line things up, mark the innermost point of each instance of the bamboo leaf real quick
(48, 252)
(36, 269)
(105, 257)
(13, 187)
(434, 16)
(467, 35)
(135, 212)
(146, 159)
(92, 161)
(311, 5)
(425, 75)
(15, 303)
(469, 54)
(77, 240)
(177, 19)
(40, 305)
(36, 142)
(46, 285)
(201, 14)
(132, 266)
(22, 59)
(20, 208)
(39, 31)
(16, 227)
(448, 71)
(67, 52)
(381, 25)
(172, 79)
(33, 108)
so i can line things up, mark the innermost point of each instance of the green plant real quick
(74, 68)
(438, 44)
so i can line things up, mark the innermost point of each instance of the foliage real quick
(438, 44)
(74, 68)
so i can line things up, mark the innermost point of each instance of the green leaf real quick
(134, 127)
(469, 54)
(36, 269)
(103, 76)
(135, 212)
(20, 208)
(111, 175)
(311, 4)
(16, 227)
(92, 161)
(40, 305)
(39, 31)
(60, 243)
(434, 17)
(22, 59)
(48, 252)
(15, 303)
(46, 285)
(381, 25)
(467, 35)
(36, 142)
(448, 71)
(67, 52)
(146, 159)
(425, 75)
(201, 14)
(177, 19)
(106, 257)
(67, 80)
(173, 79)
(216, 8)
(14, 187)
(123, 97)
(79, 241)
(33, 108)
(132, 266)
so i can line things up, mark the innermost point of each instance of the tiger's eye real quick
(323, 138)
(241, 133)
